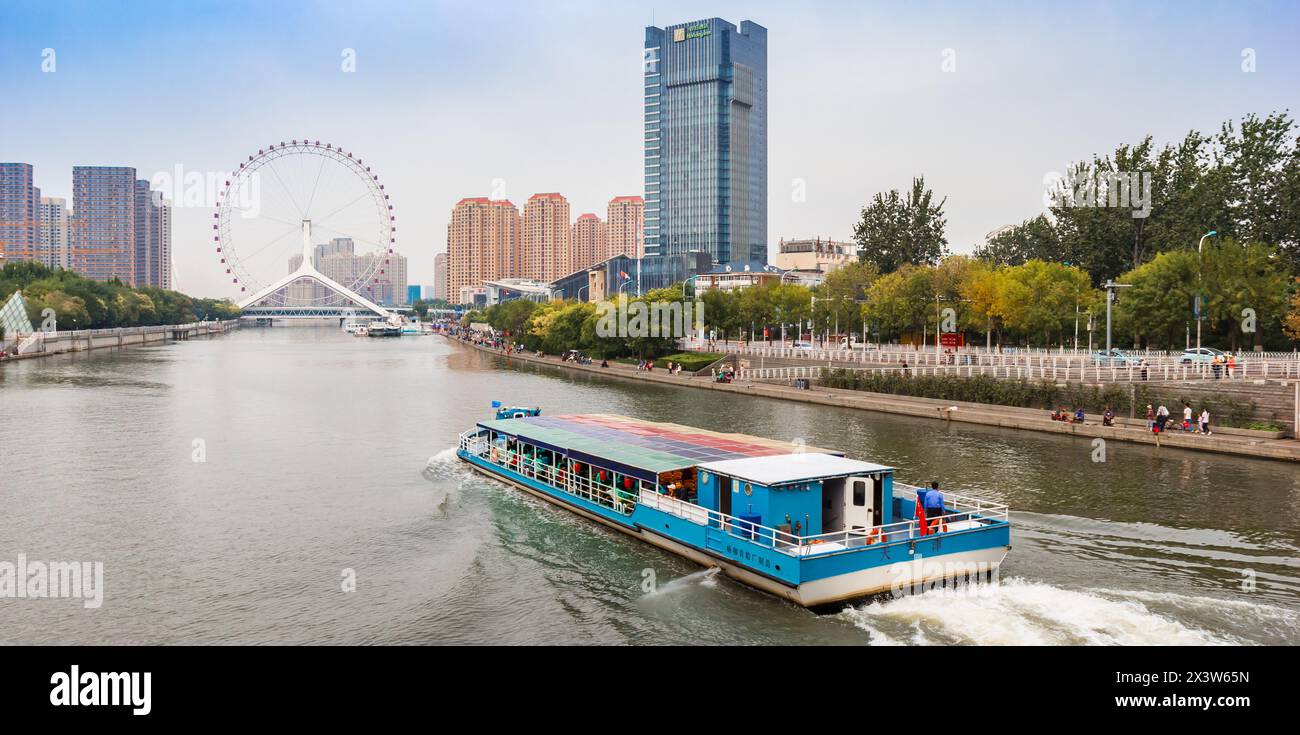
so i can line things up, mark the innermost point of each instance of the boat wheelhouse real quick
(807, 524)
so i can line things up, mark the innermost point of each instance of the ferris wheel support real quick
(307, 270)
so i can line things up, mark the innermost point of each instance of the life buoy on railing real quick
(873, 536)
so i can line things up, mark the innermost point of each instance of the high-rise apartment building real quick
(103, 222)
(546, 239)
(54, 244)
(390, 279)
(625, 223)
(439, 277)
(20, 237)
(483, 243)
(383, 282)
(705, 143)
(589, 242)
(153, 237)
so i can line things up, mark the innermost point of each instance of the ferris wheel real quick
(305, 224)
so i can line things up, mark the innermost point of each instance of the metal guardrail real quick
(128, 331)
(1244, 371)
(929, 352)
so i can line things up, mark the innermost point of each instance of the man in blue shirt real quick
(933, 503)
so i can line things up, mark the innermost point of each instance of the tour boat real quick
(381, 329)
(806, 524)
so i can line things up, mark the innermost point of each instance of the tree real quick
(1157, 309)
(839, 297)
(1291, 322)
(721, 311)
(512, 317)
(902, 300)
(1041, 297)
(983, 290)
(1244, 285)
(1033, 238)
(791, 303)
(895, 230)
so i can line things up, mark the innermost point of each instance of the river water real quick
(234, 488)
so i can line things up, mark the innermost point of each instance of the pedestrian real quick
(1232, 366)
(1151, 417)
(1205, 421)
(1187, 416)
(1162, 417)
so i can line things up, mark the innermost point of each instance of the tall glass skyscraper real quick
(706, 140)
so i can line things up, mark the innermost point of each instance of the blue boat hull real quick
(823, 582)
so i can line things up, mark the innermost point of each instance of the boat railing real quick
(960, 503)
(476, 443)
(758, 533)
(897, 531)
(784, 541)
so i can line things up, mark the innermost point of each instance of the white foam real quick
(1020, 612)
(443, 457)
(706, 578)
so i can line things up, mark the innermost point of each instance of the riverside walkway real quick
(44, 344)
(1224, 440)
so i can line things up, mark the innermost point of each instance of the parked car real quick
(1115, 358)
(1201, 354)
(798, 345)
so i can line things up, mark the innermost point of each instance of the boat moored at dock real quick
(806, 524)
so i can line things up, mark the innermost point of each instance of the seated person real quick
(1078, 416)
(1108, 418)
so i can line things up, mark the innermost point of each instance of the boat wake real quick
(1022, 612)
(440, 464)
(706, 578)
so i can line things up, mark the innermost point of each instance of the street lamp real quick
(685, 283)
(1200, 286)
(1110, 287)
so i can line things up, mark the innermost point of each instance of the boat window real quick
(859, 492)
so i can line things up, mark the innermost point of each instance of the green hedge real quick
(690, 361)
(1046, 395)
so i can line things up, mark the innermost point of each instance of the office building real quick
(814, 255)
(705, 141)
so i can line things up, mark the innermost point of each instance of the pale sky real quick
(448, 97)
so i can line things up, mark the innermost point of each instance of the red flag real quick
(920, 517)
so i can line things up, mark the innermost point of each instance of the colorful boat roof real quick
(646, 445)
